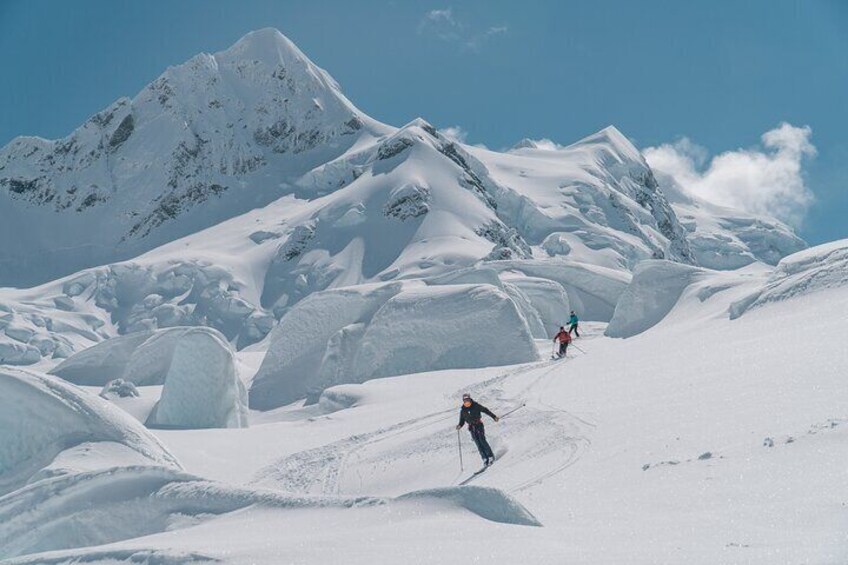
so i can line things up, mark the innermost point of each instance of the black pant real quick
(478, 434)
(563, 346)
(573, 328)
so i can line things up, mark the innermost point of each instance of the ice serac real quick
(142, 358)
(438, 327)
(42, 416)
(350, 335)
(598, 196)
(651, 295)
(814, 270)
(103, 362)
(298, 344)
(196, 146)
(202, 389)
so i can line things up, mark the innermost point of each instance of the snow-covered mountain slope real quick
(207, 140)
(223, 134)
(723, 238)
(702, 439)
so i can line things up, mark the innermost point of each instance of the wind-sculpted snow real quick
(105, 506)
(487, 502)
(41, 416)
(813, 270)
(651, 295)
(354, 334)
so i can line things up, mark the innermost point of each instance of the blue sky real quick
(691, 79)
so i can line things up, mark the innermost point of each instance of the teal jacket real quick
(573, 319)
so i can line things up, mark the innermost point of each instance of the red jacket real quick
(563, 337)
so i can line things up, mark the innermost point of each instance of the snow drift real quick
(130, 502)
(487, 502)
(353, 334)
(41, 416)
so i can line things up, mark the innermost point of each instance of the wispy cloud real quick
(456, 133)
(444, 26)
(763, 180)
(441, 24)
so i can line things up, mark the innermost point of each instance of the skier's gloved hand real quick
(458, 426)
(497, 419)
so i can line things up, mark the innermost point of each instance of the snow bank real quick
(655, 289)
(202, 389)
(487, 502)
(40, 416)
(813, 270)
(353, 334)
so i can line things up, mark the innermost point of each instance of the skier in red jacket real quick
(564, 338)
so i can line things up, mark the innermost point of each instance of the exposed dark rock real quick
(392, 147)
(408, 201)
(508, 242)
(123, 132)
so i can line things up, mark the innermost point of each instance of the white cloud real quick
(543, 144)
(455, 133)
(762, 180)
(443, 25)
(460, 135)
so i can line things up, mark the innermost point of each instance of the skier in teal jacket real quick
(573, 323)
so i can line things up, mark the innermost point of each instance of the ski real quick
(473, 475)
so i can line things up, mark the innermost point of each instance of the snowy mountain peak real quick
(614, 143)
(267, 44)
(208, 139)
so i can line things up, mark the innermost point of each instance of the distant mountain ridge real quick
(226, 133)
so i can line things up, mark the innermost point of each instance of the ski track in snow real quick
(550, 438)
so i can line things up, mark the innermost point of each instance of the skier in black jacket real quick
(471, 413)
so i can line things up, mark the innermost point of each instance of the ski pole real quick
(459, 446)
(577, 348)
(513, 410)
